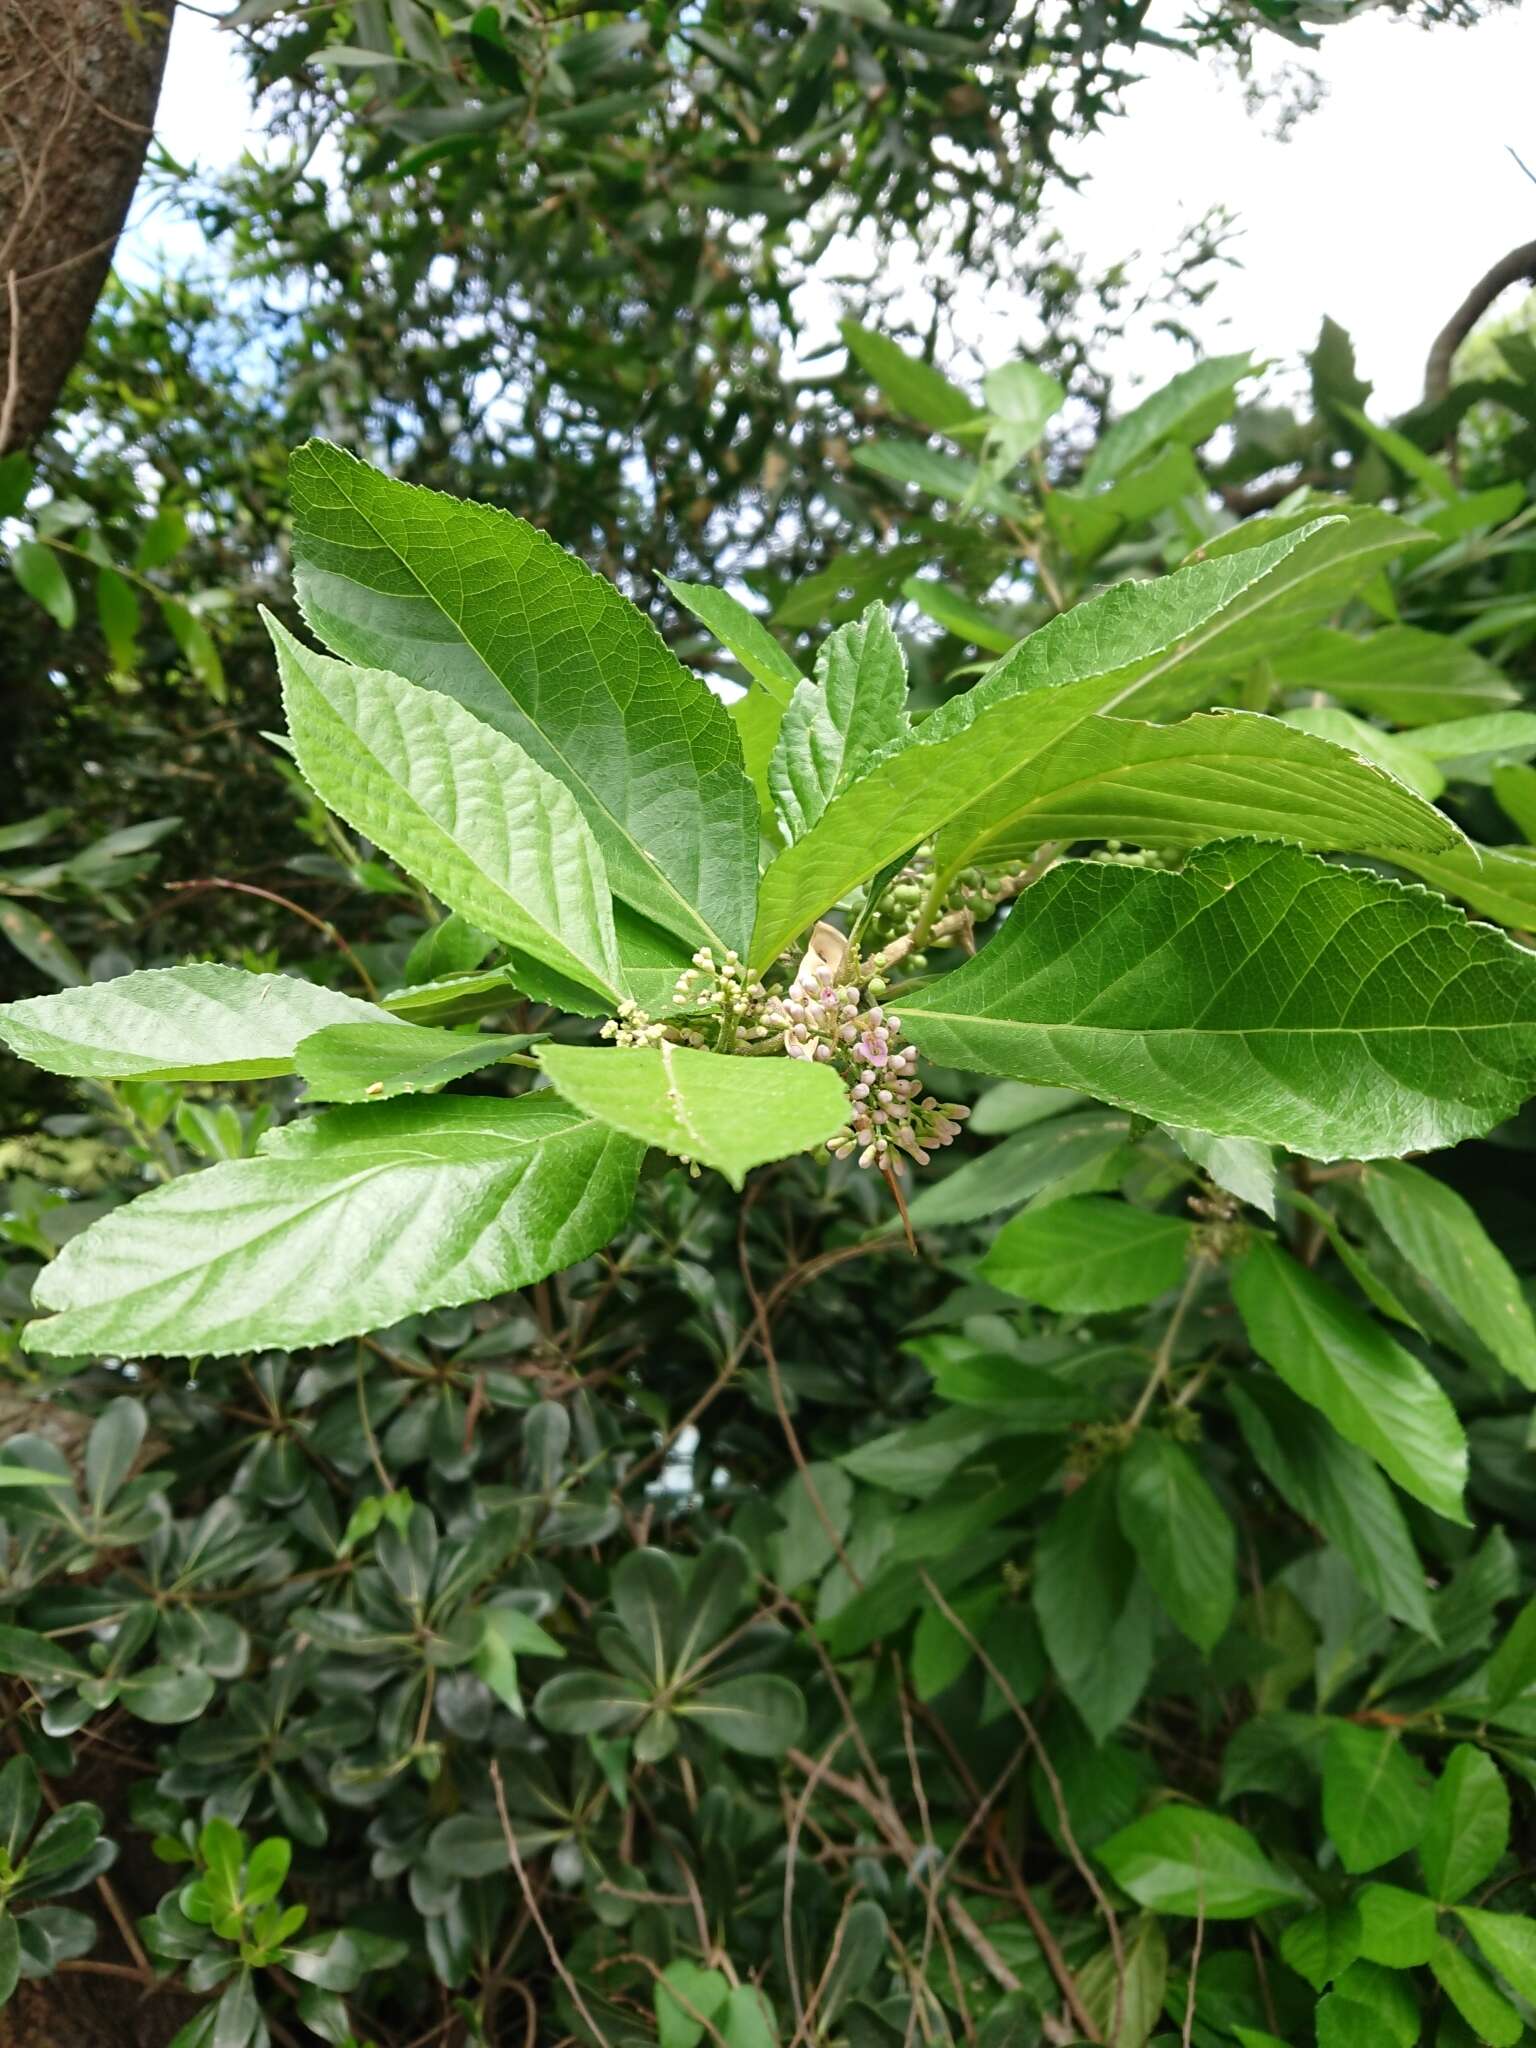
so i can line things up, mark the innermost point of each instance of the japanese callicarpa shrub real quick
(750, 897)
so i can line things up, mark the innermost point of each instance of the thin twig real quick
(12, 363)
(1194, 1968)
(890, 1824)
(321, 924)
(792, 1846)
(1048, 1771)
(1198, 1266)
(530, 1900)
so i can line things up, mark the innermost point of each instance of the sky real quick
(1382, 209)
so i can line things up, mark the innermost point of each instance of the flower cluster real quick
(834, 1023)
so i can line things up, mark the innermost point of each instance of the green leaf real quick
(851, 1967)
(1400, 673)
(1496, 881)
(114, 1442)
(1153, 647)
(1123, 1994)
(590, 1702)
(1350, 2023)
(1188, 409)
(1242, 1166)
(1033, 1399)
(1397, 1927)
(1181, 1535)
(459, 806)
(940, 1650)
(919, 1458)
(746, 2021)
(1094, 1612)
(1336, 1487)
(1492, 2018)
(1441, 1238)
(1387, 750)
(744, 634)
(1508, 1942)
(117, 611)
(1375, 1800)
(472, 1196)
(197, 647)
(237, 2016)
(177, 1023)
(1511, 1670)
(802, 1549)
(705, 1106)
(1514, 790)
(1022, 401)
(20, 1798)
(848, 583)
(1089, 1253)
(1472, 749)
(371, 1062)
(1468, 1826)
(1217, 775)
(1086, 521)
(41, 575)
(1321, 1946)
(467, 600)
(855, 705)
(1158, 991)
(757, 718)
(757, 1716)
(687, 1998)
(1024, 1165)
(162, 539)
(452, 946)
(26, 1654)
(1407, 455)
(166, 1696)
(10, 1955)
(36, 940)
(16, 1478)
(1376, 1394)
(15, 482)
(1183, 1860)
(942, 475)
(914, 388)
(507, 1633)
(265, 1870)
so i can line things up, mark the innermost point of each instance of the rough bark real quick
(79, 81)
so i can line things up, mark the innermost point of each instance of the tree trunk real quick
(79, 81)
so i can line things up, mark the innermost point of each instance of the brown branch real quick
(321, 924)
(1084, 1868)
(890, 1824)
(530, 1900)
(12, 361)
(1511, 269)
